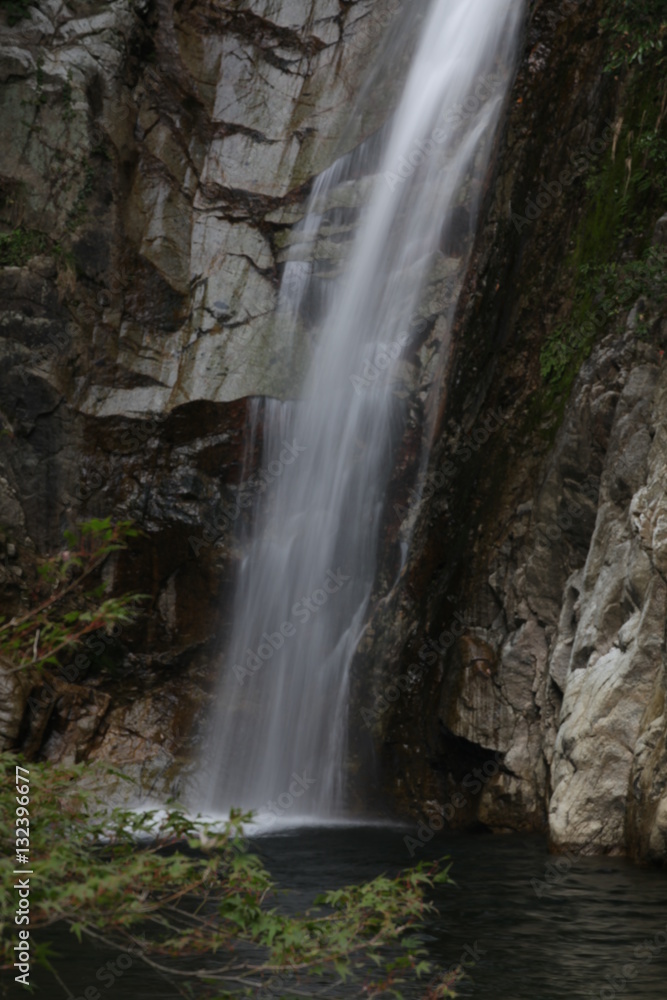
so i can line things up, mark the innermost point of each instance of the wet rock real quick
(13, 701)
(154, 154)
(549, 546)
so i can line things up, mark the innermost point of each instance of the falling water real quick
(279, 732)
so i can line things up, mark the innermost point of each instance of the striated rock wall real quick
(529, 625)
(155, 156)
(609, 648)
(579, 636)
(161, 150)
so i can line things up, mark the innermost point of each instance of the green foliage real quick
(61, 620)
(638, 29)
(79, 209)
(604, 292)
(650, 174)
(562, 354)
(16, 10)
(17, 247)
(618, 285)
(192, 902)
(628, 193)
(612, 265)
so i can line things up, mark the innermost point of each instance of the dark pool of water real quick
(599, 930)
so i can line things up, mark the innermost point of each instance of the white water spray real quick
(279, 733)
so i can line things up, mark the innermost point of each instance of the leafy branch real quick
(639, 32)
(190, 901)
(605, 291)
(61, 620)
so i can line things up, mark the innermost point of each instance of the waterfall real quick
(278, 736)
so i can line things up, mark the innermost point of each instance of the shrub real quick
(190, 900)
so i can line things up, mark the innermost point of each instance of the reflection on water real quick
(585, 927)
(599, 930)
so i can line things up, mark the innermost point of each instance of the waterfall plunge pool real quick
(598, 930)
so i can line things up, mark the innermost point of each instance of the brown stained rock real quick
(61, 719)
(477, 656)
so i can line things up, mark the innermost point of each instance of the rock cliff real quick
(157, 158)
(530, 618)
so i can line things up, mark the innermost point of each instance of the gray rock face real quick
(150, 197)
(173, 174)
(13, 700)
(154, 159)
(618, 645)
(528, 624)
(575, 701)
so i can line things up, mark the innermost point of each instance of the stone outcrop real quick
(158, 161)
(574, 704)
(529, 622)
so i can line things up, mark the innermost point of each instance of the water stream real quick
(308, 568)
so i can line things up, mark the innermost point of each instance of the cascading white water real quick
(279, 733)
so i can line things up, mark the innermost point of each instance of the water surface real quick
(584, 928)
